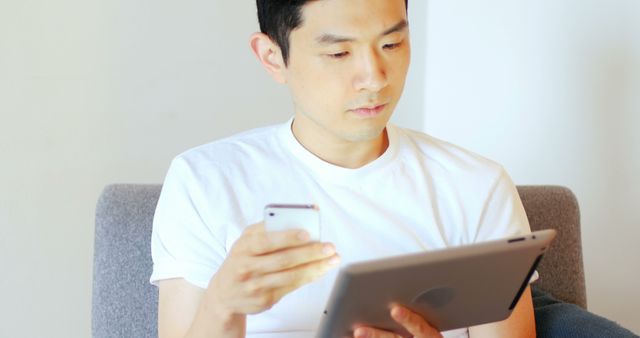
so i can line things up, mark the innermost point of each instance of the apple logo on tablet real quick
(435, 297)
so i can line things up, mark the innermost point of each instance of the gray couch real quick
(125, 304)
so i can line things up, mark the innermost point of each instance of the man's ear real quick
(269, 55)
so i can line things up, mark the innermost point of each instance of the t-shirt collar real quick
(328, 171)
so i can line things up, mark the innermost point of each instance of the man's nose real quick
(372, 72)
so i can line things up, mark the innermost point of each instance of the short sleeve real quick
(503, 214)
(183, 244)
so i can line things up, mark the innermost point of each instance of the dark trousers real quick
(557, 319)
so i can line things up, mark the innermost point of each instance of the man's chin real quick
(365, 134)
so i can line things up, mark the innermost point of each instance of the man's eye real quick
(391, 46)
(340, 55)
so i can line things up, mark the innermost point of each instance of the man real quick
(382, 190)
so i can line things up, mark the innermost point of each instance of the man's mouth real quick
(369, 111)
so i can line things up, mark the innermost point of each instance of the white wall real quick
(551, 89)
(98, 92)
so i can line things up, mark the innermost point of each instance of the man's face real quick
(347, 66)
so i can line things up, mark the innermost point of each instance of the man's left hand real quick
(411, 321)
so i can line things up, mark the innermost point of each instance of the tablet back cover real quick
(452, 288)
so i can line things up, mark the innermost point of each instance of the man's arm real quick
(183, 312)
(521, 323)
(259, 270)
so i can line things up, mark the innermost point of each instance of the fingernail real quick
(335, 260)
(303, 235)
(400, 313)
(328, 249)
(362, 333)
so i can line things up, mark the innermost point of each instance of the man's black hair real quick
(278, 18)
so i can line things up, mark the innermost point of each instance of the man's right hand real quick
(262, 267)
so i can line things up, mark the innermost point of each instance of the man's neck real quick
(343, 153)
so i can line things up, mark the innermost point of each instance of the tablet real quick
(451, 288)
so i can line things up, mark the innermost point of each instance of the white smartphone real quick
(278, 217)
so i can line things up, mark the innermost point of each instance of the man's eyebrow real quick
(327, 39)
(400, 26)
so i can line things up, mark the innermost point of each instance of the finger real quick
(283, 282)
(292, 257)
(414, 323)
(267, 290)
(259, 228)
(369, 332)
(255, 228)
(256, 242)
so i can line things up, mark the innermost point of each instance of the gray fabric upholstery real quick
(561, 270)
(125, 304)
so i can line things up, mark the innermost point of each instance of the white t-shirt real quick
(421, 194)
